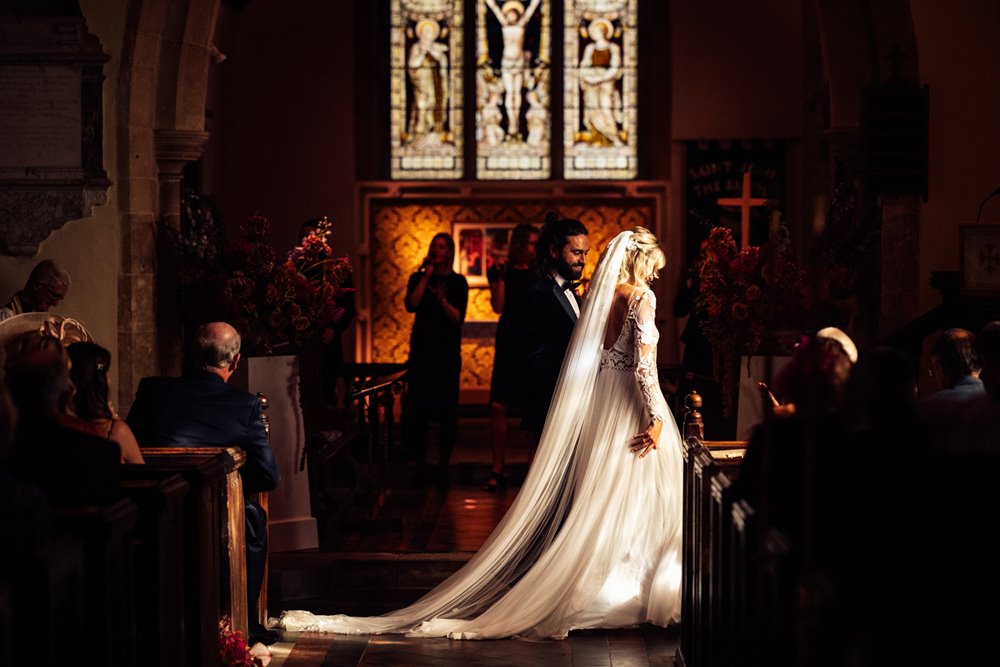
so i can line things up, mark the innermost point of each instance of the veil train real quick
(537, 513)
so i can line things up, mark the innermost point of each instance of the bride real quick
(593, 539)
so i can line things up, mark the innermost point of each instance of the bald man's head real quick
(218, 343)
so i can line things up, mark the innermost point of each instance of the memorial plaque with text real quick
(51, 126)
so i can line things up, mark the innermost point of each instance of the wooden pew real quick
(105, 534)
(706, 501)
(6, 621)
(719, 584)
(742, 624)
(214, 546)
(46, 610)
(159, 562)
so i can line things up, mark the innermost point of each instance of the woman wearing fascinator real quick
(593, 539)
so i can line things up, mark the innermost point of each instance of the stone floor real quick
(638, 647)
(420, 536)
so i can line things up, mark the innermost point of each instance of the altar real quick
(291, 525)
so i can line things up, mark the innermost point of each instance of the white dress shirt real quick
(568, 293)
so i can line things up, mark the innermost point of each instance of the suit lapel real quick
(560, 295)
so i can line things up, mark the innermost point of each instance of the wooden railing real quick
(375, 403)
(711, 559)
(350, 461)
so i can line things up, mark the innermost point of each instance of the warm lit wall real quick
(88, 247)
(959, 56)
(401, 235)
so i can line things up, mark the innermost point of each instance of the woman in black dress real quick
(509, 283)
(438, 296)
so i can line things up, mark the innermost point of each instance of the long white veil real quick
(537, 513)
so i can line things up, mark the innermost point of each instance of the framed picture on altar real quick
(979, 262)
(479, 246)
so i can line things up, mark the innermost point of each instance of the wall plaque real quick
(51, 122)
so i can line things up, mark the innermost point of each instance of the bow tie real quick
(571, 285)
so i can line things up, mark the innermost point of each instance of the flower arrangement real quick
(746, 297)
(282, 306)
(233, 650)
(199, 240)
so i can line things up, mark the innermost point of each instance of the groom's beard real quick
(569, 271)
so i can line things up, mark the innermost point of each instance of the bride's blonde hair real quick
(643, 259)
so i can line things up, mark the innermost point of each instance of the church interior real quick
(287, 166)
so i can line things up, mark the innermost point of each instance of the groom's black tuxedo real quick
(548, 323)
(201, 409)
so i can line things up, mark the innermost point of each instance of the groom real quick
(552, 310)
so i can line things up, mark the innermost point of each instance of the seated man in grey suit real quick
(202, 409)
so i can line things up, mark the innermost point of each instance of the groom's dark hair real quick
(554, 235)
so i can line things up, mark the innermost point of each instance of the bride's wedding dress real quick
(593, 539)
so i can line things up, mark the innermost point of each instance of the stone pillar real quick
(900, 259)
(174, 150)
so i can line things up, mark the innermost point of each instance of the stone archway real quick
(166, 54)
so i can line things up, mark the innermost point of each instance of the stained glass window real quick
(513, 65)
(426, 89)
(514, 62)
(600, 50)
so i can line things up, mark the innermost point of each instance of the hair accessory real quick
(632, 244)
(833, 333)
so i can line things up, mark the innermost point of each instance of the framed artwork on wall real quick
(479, 246)
(980, 259)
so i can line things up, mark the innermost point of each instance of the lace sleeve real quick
(646, 337)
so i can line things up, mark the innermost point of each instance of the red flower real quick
(742, 296)
(284, 305)
(233, 651)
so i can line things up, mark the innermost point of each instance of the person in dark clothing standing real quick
(551, 312)
(203, 409)
(438, 297)
(509, 285)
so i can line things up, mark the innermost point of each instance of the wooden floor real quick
(420, 537)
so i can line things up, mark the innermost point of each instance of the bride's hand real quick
(645, 442)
